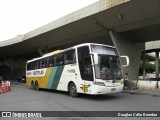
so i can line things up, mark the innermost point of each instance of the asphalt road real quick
(21, 98)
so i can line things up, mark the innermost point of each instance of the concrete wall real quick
(17, 67)
(148, 85)
(5, 72)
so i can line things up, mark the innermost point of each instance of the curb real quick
(143, 93)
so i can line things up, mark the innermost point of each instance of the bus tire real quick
(36, 86)
(73, 90)
(32, 85)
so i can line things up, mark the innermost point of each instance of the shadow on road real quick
(86, 96)
(100, 97)
(108, 97)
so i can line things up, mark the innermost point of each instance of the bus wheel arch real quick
(32, 85)
(72, 89)
(36, 85)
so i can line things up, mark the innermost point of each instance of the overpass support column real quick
(144, 63)
(128, 46)
(17, 67)
(157, 67)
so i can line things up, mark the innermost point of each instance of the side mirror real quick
(124, 61)
(95, 58)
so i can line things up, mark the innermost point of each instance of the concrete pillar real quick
(144, 63)
(17, 67)
(157, 67)
(129, 47)
(8, 74)
(157, 63)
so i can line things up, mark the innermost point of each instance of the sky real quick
(18, 17)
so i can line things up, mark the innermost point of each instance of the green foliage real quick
(148, 65)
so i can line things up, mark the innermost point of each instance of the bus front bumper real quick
(97, 90)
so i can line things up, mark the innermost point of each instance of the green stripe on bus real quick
(51, 77)
(57, 77)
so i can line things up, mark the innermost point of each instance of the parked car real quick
(21, 79)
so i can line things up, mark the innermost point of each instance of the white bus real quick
(88, 68)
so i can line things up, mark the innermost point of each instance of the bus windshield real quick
(108, 67)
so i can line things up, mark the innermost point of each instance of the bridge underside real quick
(135, 18)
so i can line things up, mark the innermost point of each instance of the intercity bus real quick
(87, 68)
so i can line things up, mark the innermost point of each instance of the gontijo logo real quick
(39, 72)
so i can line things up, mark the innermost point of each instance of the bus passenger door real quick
(85, 68)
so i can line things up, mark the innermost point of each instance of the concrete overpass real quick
(126, 24)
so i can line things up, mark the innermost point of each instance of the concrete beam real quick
(152, 45)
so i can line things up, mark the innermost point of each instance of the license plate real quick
(113, 89)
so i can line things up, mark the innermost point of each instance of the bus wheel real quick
(73, 90)
(32, 85)
(36, 86)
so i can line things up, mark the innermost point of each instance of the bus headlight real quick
(99, 83)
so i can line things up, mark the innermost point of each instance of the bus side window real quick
(42, 63)
(47, 62)
(29, 66)
(37, 64)
(59, 59)
(56, 61)
(32, 66)
(51, 61)
(69, 57)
